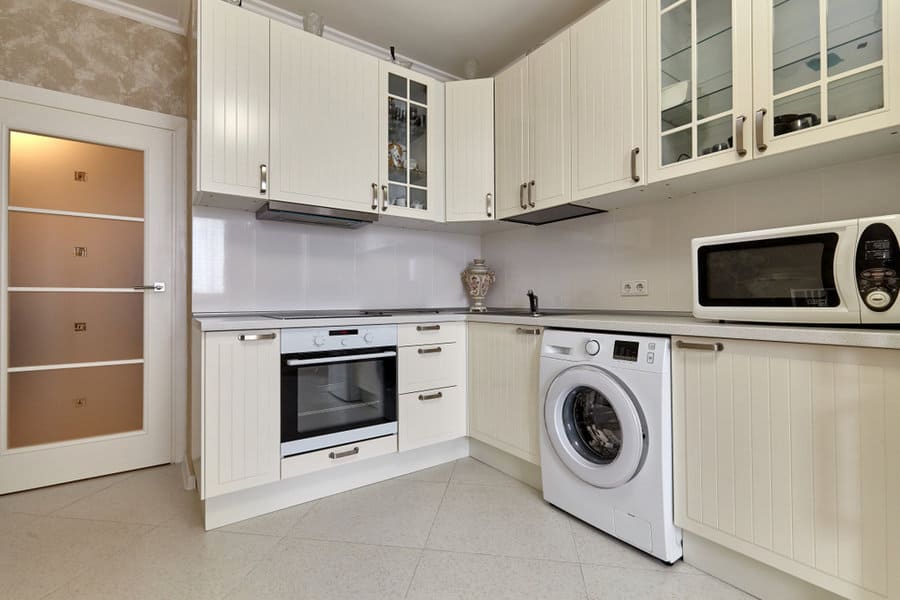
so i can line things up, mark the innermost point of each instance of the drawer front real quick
(339, 455)
(429, 367)
(430, 333)
(431, 417)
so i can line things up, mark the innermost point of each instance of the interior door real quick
(87, 228)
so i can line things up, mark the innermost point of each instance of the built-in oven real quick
(338, 386)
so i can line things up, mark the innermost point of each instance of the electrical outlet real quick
(634, 287)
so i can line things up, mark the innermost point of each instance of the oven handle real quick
(296, 362)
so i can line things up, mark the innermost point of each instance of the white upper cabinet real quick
(511, 138)
(608, 111)
(325, 122)
(232, 100)
(412, 144)
(470, 150)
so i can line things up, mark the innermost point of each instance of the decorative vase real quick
(478, 278)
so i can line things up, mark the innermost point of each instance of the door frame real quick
(178, 289)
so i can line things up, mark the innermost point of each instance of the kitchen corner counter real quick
(678, 324)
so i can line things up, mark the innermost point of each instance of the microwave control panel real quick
(877, 263)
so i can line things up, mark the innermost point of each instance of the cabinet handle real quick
(524, 331)
(428, 327)
(760, 132)
(344, 454)
(634, 174)
(530, 191)
(522, 196)
(374, 196)
(384, 203)
(739, 123)
(435, 350)
(263, 179)
(255, 337)
(435, 396)
(487, 208)
(712, 346)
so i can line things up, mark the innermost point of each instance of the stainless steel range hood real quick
(554, 214)
(317, 215)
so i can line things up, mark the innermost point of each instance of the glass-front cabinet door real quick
(412, 179)
(822, 70)
(700, 85)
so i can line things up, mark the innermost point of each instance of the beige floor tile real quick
(394, 513)
(598, 548)
(611, 583)
(330, 571)
(508, 521)
(278, 523)
(439, 474)
(45, 500)
(469, 470)
(450, 575)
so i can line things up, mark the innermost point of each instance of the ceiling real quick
(438, 33)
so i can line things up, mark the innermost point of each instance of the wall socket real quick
(634, 287)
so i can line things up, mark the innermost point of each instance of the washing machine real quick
(606, 435)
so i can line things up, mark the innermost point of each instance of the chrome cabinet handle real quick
(530, 191)
(488, 200)
(263, 179)
(435, 350)
(374, 196)
(712, 346)
(428, 327)
(344, 454)
(739, 135)
(524, 331)
(384, 203)
(156, 286)
(435, 396)
(760, 132)
(634, 174)
(255, 337)
(522, 196)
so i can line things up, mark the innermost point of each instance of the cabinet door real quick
(232, 100)
(504, 387)
(412, 144)
(824, 70)
(511, 138)
(549, 119)
(431, 417)
(324, 122)
(241, 411)
(782, 453)
(700, 85)
(470, 150)
(608, 67)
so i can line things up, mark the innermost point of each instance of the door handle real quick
(760, 130)
(522, 196)
(634, 174)
(434, 396)
(487, 209)
(384, 204)
(524, 331)
(435, 350)
(374, 196)
(739, 123)
(255, 337)
(263, 179)
(158, 286)
(428, 327)
(530, 191)
(712, 346)
(344, 454)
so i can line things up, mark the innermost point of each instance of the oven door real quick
(333, 398)
(790, 275)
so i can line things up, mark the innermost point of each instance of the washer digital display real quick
(626, 350)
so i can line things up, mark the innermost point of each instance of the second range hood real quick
(316, 215)
(553, 214)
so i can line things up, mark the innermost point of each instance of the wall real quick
(68, 47)
(241, 264)
(580, 263)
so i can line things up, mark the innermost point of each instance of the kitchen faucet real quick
(533, 302)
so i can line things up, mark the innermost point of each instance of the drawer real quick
(339, 455)
(429, 367)
(430, 333)
(431, 417)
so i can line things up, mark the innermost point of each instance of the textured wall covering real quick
(68, 47)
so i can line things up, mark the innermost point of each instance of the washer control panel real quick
(612, 349)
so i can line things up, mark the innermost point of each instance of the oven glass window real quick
(791, 272)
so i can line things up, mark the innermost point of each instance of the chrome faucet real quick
(533, 302)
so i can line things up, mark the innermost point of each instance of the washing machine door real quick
(595, 426)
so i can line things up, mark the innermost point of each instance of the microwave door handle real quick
(302, 362)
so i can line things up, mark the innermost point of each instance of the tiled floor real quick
(460, 530)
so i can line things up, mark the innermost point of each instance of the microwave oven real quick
(828, 273)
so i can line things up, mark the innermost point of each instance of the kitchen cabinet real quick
(240, 410)
(232, 143)
(783, 453)
(504, 370)
(470, 150)
(511, 139)
(608, 108)
(324, 122)
(412, 144)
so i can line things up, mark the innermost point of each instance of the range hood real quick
(317, 215)
(553, 214)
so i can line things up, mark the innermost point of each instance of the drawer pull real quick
(254, 337)
(712, 347)
(434, 350)
(524, 331)
(434, 396)
(428, 327)
(344, 454)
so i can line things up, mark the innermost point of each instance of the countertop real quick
(666, 324)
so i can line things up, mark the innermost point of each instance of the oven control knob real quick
(344, 342)
(319, 340)
(877, 299)
(592, 347)
(369, 338)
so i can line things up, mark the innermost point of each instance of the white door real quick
(470, 150)
(325, 124)
(511, 138)
(86, 363)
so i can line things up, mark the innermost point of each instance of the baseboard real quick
(526, 472)
(747, 574)
(188, 480)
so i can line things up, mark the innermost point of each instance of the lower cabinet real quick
(503, 364)
(787, 453)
